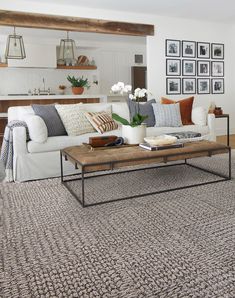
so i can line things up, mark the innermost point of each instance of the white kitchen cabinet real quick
(40, 56)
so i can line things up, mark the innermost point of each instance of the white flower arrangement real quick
(139, 93)
(121, 88)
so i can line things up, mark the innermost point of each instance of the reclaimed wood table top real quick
(95, 159)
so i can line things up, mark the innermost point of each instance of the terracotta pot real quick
(77, 90)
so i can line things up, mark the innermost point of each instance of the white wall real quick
(164, 28)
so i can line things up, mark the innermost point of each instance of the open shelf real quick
(86, 67)
(3, 65)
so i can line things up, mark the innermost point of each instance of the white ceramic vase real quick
(134, 135)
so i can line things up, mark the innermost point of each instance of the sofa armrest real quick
(19, 140)
(211, 125)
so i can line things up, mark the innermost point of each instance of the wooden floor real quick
(223, 140)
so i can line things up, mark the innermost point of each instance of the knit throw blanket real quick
(7, 150)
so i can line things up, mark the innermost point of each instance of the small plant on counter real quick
(79, 82)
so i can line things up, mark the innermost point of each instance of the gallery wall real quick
(165, 28)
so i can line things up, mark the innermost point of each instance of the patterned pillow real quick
(167, 115)
(101, 121)
(74, 119)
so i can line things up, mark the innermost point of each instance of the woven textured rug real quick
(176, 244)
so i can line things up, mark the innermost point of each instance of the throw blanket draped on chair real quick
(7, 151)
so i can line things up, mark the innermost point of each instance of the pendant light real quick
(15, 47)
(67, 48)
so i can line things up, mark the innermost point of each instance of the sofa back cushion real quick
(186, 106)
(37, 128)
(167, 115)
(51, 118)
(74, 119)
(144, 109)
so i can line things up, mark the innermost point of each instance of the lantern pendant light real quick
(15, 47)
(67, 48)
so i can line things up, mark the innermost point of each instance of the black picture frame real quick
(203, 86)
(173, 86)
(203, 68)
(217, 68)
(189, 86)
(217, 86)
(173, 67)
(217, 51)
(203, 50)
(187, 66)
(173, 48)
(188, 49)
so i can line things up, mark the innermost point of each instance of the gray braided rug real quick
(177, 244)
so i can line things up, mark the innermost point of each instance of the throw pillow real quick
(37, 128)
(167, 115)
(74, 119)
(101, 121)
(186, 106)
(144, 109)
(51, 118)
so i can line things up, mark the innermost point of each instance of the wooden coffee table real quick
(109, 159)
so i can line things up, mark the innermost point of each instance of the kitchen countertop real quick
(103, 97)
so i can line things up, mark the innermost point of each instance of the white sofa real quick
(42, 160)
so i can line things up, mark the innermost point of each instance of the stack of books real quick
(147, 146)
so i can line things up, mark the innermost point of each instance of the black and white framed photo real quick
(188, 49)
(217, 51)
(203, 50)
(189, 67)
(203, 86)
(203, 68)
(217, 68)
(173, 48)
(189, 85)
(173, 67)
(217, 86)
(173, 86)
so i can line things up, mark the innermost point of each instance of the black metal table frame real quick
(81, 199)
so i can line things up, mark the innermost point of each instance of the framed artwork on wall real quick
(189, 85)
(203, 50)
(173, 67)
(217, 86)
(173, 48)
(189, 67)
(173, 86)
(203, 86)
(188, 49)
(217, 51)
(203, 68)
(217, 68)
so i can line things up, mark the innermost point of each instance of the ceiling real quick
(211, 10)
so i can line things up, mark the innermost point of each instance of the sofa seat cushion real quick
(156, 131)
(61, 142)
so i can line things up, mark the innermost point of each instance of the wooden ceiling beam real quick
(54, 22)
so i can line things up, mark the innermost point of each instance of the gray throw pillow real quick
(51, 118)
(167, 115)
(144, 109)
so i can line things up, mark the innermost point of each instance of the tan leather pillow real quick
(186, 106)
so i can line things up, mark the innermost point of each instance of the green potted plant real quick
(78, 84)
(135, 130)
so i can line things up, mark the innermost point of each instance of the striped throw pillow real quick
(101, 121)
